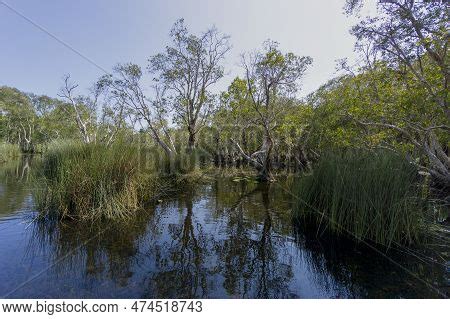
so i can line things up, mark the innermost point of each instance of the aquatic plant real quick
(90, 181)
(363, 195)
(8, 152)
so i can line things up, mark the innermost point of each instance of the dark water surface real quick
(224, 239)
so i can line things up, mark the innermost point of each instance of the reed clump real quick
(81, 181)
(363, 195)
(8, 152)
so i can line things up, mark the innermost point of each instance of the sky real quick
(107, 32)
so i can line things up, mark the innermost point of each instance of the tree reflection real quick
(180, 258)
(14, 188)
(251, 255)
(343, 268)
(224, 239)
(104, 251)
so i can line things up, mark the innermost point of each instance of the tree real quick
(19, 120)
(344, 106)
(52, 121)
(28, 119)
(271, 76)
(97, 117)
(81, 108)
(187, 70)
(125, 90)
(234, 119)
(412, 38)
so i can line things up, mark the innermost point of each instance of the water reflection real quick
(14, 186)
(224, 239)
(357, 271)
(99, 251)
(253, 265)
(181, 254)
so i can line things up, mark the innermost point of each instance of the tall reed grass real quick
(363, 195)
(82, 181)
(8, 152)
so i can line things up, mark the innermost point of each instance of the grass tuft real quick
(80, 181)
(8, 152)
(364, 195)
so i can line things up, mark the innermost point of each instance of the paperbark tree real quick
(270, 76)
(77, 106)
(20, 119)
(186, 70)
(412, 37)
(125, 89)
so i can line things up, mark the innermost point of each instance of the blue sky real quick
(109, 32)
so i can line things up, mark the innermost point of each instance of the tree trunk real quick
(191, 142)
(244, 144)
(439, 160)
(261, 160)
(265, 172)
(167, 149)
(191, 139)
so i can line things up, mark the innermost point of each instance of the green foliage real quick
(29, 119)
(54, 119)
(235, 118)
(186, 71)
(18, 119)
(377, 95)
(365, 196)
(260, 112)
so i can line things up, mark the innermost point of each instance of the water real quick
(224, 239)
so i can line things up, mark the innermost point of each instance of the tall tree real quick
(52, 121)
(412, 37)
(18, 118)
(271, 76)
(97, 116)
(81, 108)
(187, 69)
(126, 91)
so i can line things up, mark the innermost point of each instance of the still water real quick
(225, 239)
